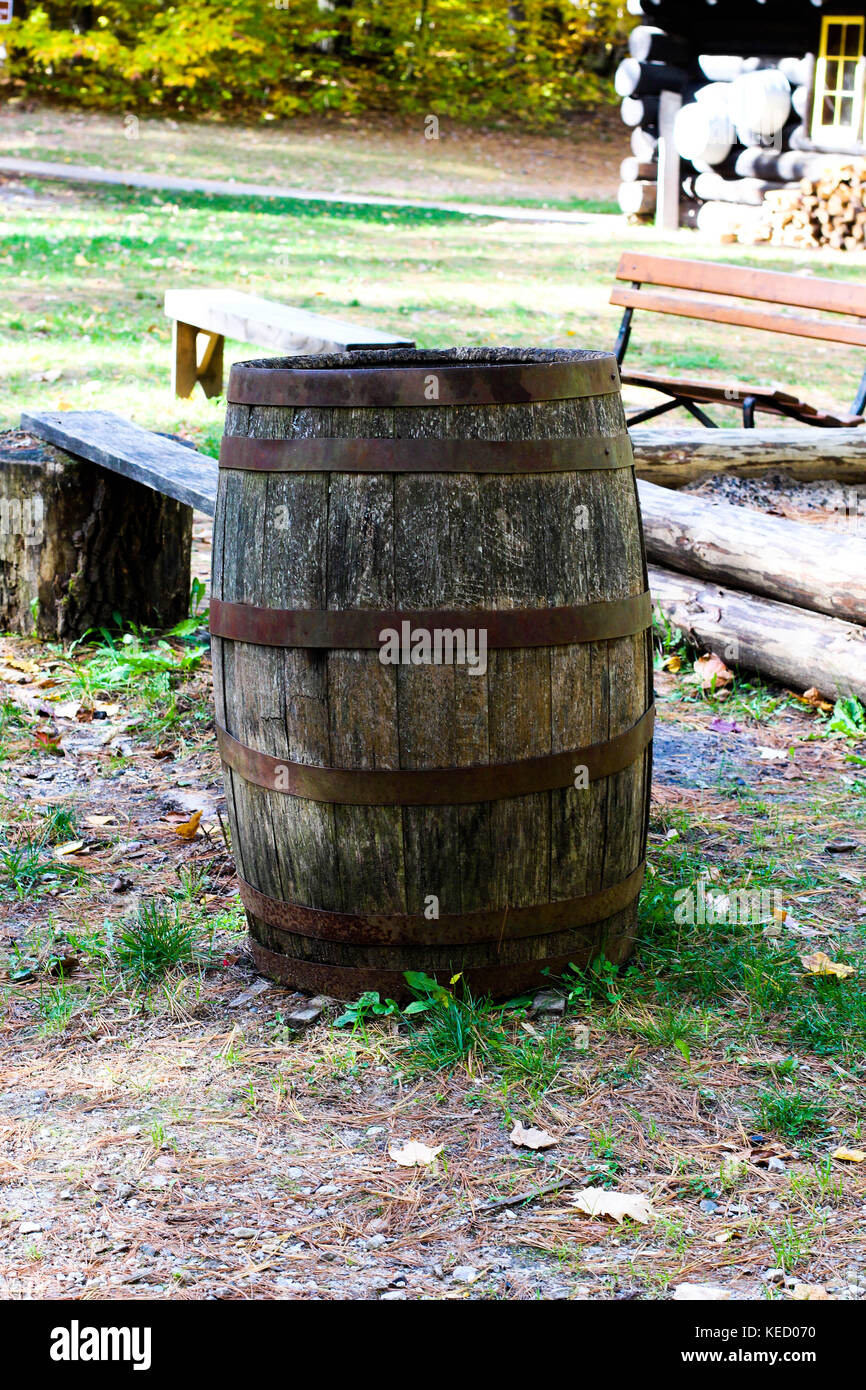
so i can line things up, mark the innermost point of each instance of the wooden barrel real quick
(397, 801)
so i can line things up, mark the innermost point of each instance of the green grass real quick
(157, 941)
(83, 271)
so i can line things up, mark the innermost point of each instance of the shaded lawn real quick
(83, 272)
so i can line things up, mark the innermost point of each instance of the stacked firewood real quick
(826, 210)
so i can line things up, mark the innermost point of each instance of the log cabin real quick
(771, 92)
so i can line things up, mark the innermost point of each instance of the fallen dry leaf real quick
(70, 847)
(772, 755)
(712, 671)
(812, 698)
(849, 1155)
(189, 829)
(531, 1138)
(413, 1154)
(672, 663)
(708, 1293)
(809, 1293)
(596, 1201)
(818, 963)
(96, 822)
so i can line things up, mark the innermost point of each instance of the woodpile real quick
(784, 598)
(827, 210)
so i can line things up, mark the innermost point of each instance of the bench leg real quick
(210, 371)
(749, 412)
(186, 371)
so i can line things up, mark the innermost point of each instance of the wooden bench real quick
(714, 293)
(222, 314)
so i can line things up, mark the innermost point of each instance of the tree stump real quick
(79, 545)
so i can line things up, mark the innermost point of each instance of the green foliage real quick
(460, 59)
(157, 941)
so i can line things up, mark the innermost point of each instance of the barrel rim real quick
(424, 377)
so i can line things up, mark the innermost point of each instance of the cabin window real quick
(840, 78)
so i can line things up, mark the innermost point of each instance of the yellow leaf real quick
(672, 663)
(70, 847)
(850, 1155)
(189, 829)
(820, 964)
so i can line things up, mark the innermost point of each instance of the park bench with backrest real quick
(226, 313)
(740, 298)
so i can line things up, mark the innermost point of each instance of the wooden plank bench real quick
(222, 313)
(120, 446)
(705, 290)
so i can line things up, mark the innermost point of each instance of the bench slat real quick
(117, 444)
(715, 312)
(771, 286)
(280, 327)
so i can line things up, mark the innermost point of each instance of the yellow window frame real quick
(830, 79)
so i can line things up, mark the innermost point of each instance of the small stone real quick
(121, 884)
(375, 1241)
(392, 1296)
(375, 1129)
(709, 1206)
(774, 1276)
(166, 1162)
(329, 1189)
(547, 1001)
(708, 1293)
(243, 1232)
(777, 1165)
(464, 1274)
(305, 1014)
(30, 1228)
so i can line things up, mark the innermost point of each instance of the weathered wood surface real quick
(674, 457)
(138, 454)
(78, 544)
(424, 540)
(251, 319)
(793, 646)
(793, 561)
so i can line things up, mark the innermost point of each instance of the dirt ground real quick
(361, 155)
(191, 1144)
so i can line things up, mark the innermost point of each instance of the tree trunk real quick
(79, 544)
(674, 457)
(789, 560)
(797, 648)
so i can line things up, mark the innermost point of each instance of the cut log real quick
(674, 457)
(652, 45)
(637, 199)
(790, 164)
(703, 131)
(723, 67)
(797, 648)
(750, 192)
(79, 544)
(760, 103)
(635, 79)
(631, 169)
(640, 110)
(644, 144)
(726, 219)
(792, 561)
